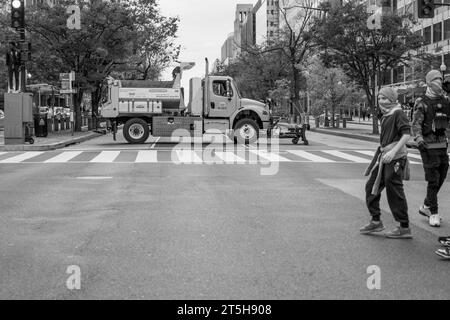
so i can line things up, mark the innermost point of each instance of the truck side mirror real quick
(229, 92)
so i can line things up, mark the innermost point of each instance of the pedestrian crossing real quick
(187, 156)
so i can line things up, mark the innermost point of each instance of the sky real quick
(203, 28)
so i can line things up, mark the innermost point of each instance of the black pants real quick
(392, 180)
(435, 164)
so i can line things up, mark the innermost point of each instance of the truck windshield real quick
(237, 89)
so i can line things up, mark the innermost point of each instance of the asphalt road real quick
(152, 229)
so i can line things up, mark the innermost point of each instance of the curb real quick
(52, 146)
(347, 135)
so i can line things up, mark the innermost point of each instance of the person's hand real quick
(387, 158)
(422, 145)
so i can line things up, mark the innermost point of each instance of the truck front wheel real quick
(246, 131)
(136, 131)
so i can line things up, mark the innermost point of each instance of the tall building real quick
(242, 17)
(261, 28)
(436, 34)
(227, 49)
(273, 19)
(267, 20)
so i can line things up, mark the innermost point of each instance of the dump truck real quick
(157, 108)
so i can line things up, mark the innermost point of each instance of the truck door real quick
(222, 102)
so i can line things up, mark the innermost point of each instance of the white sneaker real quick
(435, 220)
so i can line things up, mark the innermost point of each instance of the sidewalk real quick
(355, 130)
(52, 142)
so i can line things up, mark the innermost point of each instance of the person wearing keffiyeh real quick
(389, 168)
(430, 122)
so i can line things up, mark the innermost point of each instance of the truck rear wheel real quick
(246, 131)
(136, 131)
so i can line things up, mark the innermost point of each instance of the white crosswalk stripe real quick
(270, 156)
(410, 155)
(229, 157)
(366, 152)
(106, 157)
(147, 157)
(346, 156)
(63, 157)
(22, 157)
(310, 156)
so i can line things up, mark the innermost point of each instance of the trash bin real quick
(41, 125)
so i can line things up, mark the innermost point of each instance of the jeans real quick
(435, 164)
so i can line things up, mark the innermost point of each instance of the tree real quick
(363, 54)
(327, 86)
(256, 72)
(295, 43)
(115, 38)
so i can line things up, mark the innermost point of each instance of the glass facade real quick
(437, 32)
(427, 35)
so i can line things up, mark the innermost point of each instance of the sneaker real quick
(445, 241)
(425, 211)
(400, 233)
(435, 220)
(372, 227)
(443, 253)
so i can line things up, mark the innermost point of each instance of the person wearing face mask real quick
(389, 168)
(430, 122)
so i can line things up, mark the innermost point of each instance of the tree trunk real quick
(77, 108)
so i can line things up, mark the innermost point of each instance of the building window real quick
(437, 32)
(447, 29)
(427, 35)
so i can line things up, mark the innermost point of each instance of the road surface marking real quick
(63, 157)
(272, 157)
(147, 157)
(229, 157)
(153, 146)
(187, 156)
(372, 153)
(367, 153)
(106, 157)
(346, 156)
(310, 156)
(94, 178)
(22, 157)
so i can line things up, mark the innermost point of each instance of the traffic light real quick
(17, 14)
(425, 9)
